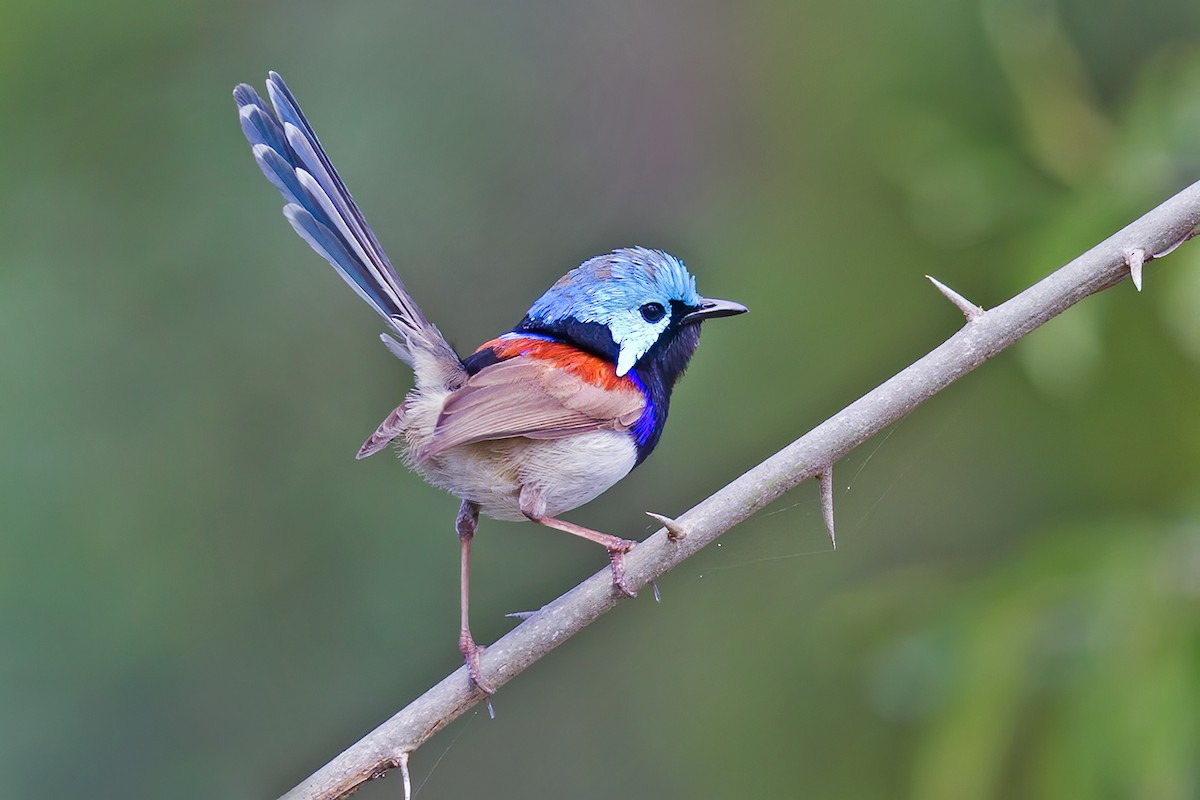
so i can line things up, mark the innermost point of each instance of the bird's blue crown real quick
(631, 291)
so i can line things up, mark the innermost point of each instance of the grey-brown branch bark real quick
(984, 335)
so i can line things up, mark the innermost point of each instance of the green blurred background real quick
(202, 593)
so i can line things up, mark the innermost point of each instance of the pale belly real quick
(568, 472)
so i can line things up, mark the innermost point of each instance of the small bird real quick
(535, 422)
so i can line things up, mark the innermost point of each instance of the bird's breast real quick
(568, 471)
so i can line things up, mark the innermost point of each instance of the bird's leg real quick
(617, 547)
(533, 506)
(468, 518)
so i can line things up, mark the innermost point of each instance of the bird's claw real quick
(616, 555)
(471, 653)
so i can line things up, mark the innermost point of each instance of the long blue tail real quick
(322, 211)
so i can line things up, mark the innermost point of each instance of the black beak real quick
(709, 308)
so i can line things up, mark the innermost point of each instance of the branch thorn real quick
(1135, 259)
(675, 531)
(827, 499)
(402, 763)
(968, 309)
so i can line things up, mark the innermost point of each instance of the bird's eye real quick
(652, 312)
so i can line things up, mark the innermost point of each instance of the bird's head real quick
(627, 305)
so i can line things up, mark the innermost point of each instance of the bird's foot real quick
(533, 506)
(616, 554)
(471, 653)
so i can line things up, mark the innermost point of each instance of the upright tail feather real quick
(322, 211)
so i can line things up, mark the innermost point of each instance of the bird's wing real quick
(532, 398)
(322, 211)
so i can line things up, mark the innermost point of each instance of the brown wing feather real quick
(530, 397)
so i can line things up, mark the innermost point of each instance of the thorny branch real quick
(985, 334)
